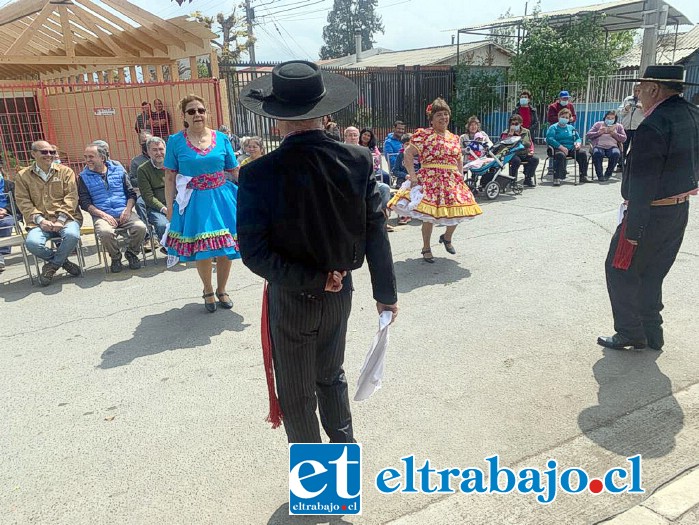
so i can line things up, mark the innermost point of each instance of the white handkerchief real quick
(620, 216)
(183, 192)
(371, 373)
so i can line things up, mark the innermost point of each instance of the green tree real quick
(475, 92)
(551, 58)
(346, 17)
(231, 29)
(504, 36)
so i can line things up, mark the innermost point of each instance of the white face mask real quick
(564, 103)
(609, 122)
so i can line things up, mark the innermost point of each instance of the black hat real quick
(298, 90)
(663, 74)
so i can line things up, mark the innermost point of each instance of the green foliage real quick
(555, 58)
(475, 92)
(346, 17)
(504, 36)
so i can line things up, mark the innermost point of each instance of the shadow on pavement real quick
(281, 517)
(176, 329)
(443, 271)
(628, 381)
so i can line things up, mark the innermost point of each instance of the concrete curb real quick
(665, 506)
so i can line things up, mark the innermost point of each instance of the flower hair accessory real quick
(429, 109)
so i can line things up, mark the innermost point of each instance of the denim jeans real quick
(158, 221)
(6, 226)
(598, 154)
(37, 239)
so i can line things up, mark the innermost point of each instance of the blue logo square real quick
(325, 478)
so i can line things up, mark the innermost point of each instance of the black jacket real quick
(310, 207)
(663, 160)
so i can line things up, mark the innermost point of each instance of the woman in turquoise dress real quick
(201, 202)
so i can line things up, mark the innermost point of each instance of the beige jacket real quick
(59, 195)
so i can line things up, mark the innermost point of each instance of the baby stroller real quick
(488, 173)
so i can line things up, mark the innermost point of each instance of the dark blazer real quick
(663, 160)
(310, 207)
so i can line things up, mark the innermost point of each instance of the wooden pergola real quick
(71, 40)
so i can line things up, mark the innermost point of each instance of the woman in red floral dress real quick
(446, 199)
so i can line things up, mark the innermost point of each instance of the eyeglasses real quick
(191, 112)
(47, 151)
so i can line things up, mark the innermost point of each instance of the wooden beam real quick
(95, 25)
(140, 33)
(18, 10)
(46, 60)
(132, 74)
(193, 68)
(122, 77)
(213, 56)
(28, 33)
(159, 74)
(67, 33)
(143, 17)
(174, 71)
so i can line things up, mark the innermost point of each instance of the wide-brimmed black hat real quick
(298, 90)
(663, 74)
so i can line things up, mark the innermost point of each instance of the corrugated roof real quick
(412, 57)
(668, 51)
(620, 15)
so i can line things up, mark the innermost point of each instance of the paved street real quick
(124, 402)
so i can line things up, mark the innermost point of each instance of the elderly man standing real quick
(151, 182)
(106, 193)
(308, 213)
(47, 196)
(562, 102)
(660, 175)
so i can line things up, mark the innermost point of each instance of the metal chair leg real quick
(27, 266)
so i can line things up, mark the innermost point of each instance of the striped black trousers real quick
(308, 336)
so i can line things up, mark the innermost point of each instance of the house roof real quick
(426, 56)
(669, 52)
(50, 37)
(620, 15)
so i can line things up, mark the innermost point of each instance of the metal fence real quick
(384, 97)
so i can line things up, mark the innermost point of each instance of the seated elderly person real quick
(606, 137)
(151, 181)
(352, 137)
(139, 159)
(106, 193)
(517, 129)
(564, 142)
(47, 196)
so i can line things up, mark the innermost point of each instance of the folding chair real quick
(120, 233)
(78, 251)
(18, 238)
(549, 161)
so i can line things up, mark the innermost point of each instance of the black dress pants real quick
(308, 336)
(636, 293)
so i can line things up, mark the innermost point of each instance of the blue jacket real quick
(111, 195)
(562, 136)
(3, 198)
(391, 147)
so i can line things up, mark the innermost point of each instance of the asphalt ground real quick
(124, 402)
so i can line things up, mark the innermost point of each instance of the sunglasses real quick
(47, 151)
(191, 112)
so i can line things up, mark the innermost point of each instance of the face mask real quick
(524, 101)
(564, 103)
(609, 122)
(563, 121)
(516, 127)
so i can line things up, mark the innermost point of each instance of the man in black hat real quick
(660, 175)
(308, 214)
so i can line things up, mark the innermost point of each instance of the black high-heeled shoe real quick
(448, 246)
(224, 304)
(210, 307)
(429, 259)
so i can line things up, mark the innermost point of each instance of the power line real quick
(308, 55)
(297, 7)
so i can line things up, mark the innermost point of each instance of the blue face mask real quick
(609, 122)
(524, 101)
(563, 121)
(516, 127)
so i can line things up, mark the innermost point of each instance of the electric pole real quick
(250, 17)
(651, 21)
